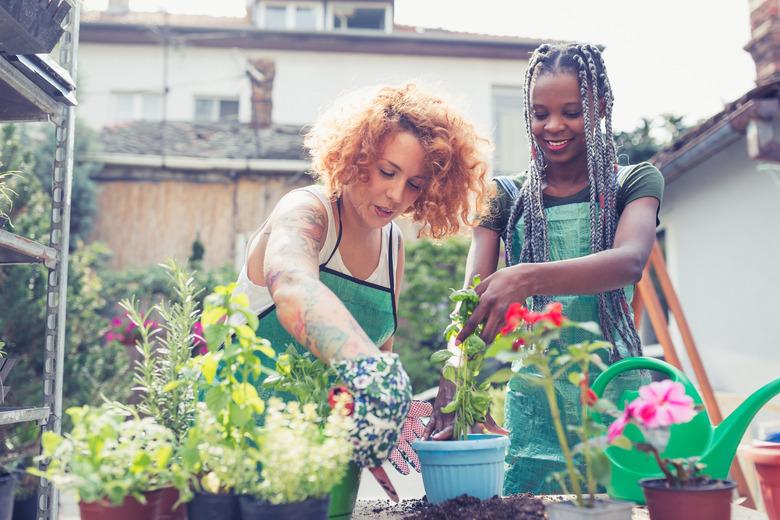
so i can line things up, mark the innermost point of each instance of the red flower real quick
(587, 395)
(515, 314)
(516, 344)
(336, 392)
(554, 313)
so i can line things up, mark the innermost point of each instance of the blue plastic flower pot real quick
(472, 467)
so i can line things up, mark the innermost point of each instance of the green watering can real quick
(715, 445)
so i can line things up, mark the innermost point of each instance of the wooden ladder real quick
(647, 298)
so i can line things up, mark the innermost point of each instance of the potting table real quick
(386, 510)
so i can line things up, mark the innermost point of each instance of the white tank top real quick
(260, 297)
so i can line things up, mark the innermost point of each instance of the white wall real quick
(305, 82)
(722, 222)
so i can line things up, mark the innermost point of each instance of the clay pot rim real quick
(760, 455)
(711, 486)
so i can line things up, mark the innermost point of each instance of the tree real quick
(648, 138)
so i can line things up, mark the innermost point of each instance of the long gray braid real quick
(586, 63)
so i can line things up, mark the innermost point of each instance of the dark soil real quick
(522, 506)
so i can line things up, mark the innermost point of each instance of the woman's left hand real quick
(496, 292)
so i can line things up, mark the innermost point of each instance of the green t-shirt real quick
(634, 182)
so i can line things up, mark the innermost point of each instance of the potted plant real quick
(306, 379)
(449, 468)
(164, 380)
(113, 465)
(217, 452)
(301, 461)
(766, 457)
(683, 492)
(533, 340)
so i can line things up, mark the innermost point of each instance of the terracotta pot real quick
(165, 509)
(767, 461)
(711, 501)
(129, 509)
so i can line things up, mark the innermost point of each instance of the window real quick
(351, 16)
(133, 106)
(275, 17)
(306, 19)
(298, 16)
(215, 109)
(511, 152)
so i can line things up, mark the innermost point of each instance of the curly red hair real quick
(345, 144)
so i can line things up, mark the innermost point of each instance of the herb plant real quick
(471, 401)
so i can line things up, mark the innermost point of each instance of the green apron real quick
(372, 306)
(534, 451)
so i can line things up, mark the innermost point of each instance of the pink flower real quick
(116, 321)
(663, 403)
(616, 428)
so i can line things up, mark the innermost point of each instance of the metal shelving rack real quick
(22, 100)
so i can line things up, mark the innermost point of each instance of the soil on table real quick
(523, 506)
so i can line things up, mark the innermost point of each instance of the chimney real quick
(118, 7)
(764, 44)
(261, 76)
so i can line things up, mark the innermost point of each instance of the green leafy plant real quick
(6, 191)
(302, 454)
(471, 402)
(106, 457)
(163, 376)
(218, 451)
(304, 377)
(532, 339)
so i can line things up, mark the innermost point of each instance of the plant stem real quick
(649, 448)
(549, 390)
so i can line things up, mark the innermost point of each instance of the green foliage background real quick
(431, 270)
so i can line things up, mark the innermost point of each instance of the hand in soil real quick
(440, 427)
(403, 455)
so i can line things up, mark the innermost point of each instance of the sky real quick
(683, 57)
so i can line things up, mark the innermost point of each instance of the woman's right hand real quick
(440, 426)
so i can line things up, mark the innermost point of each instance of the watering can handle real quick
(640, 363)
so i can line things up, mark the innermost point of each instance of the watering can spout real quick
(729, 433)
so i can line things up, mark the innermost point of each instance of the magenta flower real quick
(616, 428)
(663, 403)
(116, 321)
(198, 340)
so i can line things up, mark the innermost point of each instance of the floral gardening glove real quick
(381, 392)
(413, 429)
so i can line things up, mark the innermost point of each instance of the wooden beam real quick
(657, 319)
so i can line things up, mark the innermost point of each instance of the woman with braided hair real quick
(577, 229)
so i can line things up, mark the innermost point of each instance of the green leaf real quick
(50, 441)
(215, 335)
(575, 378)
(621, 441)
(440, 356)
(172, 385)
(209, 367)
(216, 399)
(450, 407)
(500, 377)
(240, 415)
(450, 373)
(600, 466)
